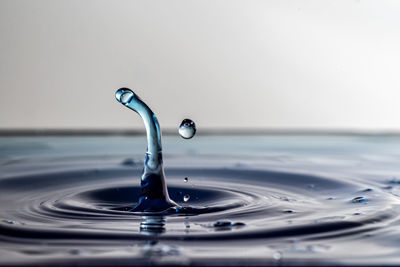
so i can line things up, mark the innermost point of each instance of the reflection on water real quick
(152, 225)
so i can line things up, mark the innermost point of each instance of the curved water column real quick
(154, 193)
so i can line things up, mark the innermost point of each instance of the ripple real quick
(92, 207)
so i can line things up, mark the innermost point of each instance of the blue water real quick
(264, 200)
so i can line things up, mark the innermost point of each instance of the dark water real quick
(264, 200)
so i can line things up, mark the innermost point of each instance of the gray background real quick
(226, 64)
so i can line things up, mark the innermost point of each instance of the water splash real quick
(187, 129)
(154, 194)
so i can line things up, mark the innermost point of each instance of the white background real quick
(226, 64)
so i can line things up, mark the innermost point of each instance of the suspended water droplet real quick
(185, 179)
(186, 198)
(359, 200)
(187, 129)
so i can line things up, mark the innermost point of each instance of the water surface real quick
(263, 200)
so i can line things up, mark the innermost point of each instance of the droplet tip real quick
(124, 95)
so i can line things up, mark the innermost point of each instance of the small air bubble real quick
(187, 129)
(185, 179)
(368, 190)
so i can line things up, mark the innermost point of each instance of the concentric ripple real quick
(66, 210)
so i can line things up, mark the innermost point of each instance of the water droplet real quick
(359, 200)
(357, 213)
(187, 129)
(277, 255)
(185, 179)
(186, 198)
(125, 97)
(368, 190)
(330, 198)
